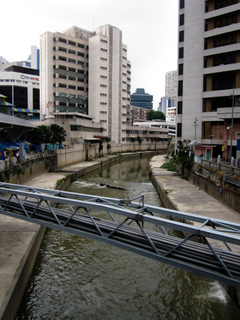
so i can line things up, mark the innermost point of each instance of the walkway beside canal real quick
(19, 241)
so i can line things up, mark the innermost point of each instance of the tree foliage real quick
(40, 134)
(184, 156)
(48, 134)
(57, 133)
(156, 115)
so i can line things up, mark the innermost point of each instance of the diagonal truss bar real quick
(219, 259)
(61, 210)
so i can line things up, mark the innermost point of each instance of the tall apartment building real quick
(208, 74)
(109, 81)
(64, 71)
(87, 72)
(171, 85)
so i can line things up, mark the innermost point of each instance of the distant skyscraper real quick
(141, 99)
(35, 58)
(171, 81)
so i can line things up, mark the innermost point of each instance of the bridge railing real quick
(133, 225)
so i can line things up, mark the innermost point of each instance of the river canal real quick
(78, 278)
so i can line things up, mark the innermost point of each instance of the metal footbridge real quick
(132, 225)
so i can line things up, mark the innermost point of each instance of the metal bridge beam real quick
(79, 215)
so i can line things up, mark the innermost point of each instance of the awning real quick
(25, 110)
(5, 103)
(92, 139)
(103, 137)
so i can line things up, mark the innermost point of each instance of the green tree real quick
(57, 134)
(40, 134)
(156, 115)
(183, 156)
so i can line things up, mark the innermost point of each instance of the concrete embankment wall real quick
(233, 292)
(22, 172)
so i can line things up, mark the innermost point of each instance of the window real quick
(224, 3)
(180, 88)
(180, 69)
(225, 20)
(181, 36)
(225, 40)
(72, 87)
(179, 109)
(72, 43)
(62, 85)
(80, 45)
(72, 78)
(62, 40)
(71, 60)
(182, 4)
(181, 20)
(222, 81)
(62, 58)
(72, 69)
(62, 67)
(71, 51)
(181, 53)
(179, 130)
(227, 58)
(81, 54)
(62, 49)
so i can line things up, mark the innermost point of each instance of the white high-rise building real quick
(87, 72)
(171, 83)
(208, 74)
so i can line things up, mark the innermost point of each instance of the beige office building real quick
(208, 74)
(87, 72)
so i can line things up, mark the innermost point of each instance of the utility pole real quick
(195, 123)
(231, 127)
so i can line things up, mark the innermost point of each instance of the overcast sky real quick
(149, 31)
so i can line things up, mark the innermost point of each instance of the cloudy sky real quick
(149, 30)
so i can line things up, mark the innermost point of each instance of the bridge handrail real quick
(55, 196)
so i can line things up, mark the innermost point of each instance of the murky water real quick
(78, 278)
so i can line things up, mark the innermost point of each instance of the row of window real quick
(61, 67)
(74, 52)
(72, 43)
(219, 81)
(217, 4)
(62, 76)
(82, 63)
(72, 96)
(63, 85)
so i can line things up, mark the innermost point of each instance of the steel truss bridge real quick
(132, 225)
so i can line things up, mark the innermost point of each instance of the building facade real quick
(141, 99)
(208, 108)
(21, 86)
(87, 72)
(64, 71)
(137, 114)
(171, 85)
(109, 81)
